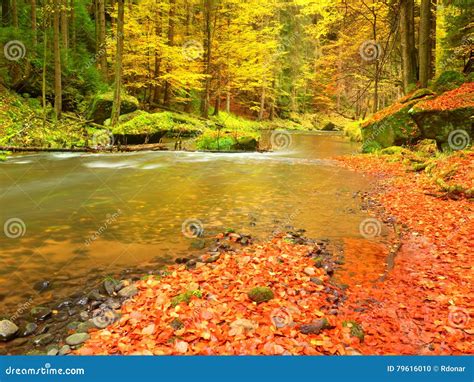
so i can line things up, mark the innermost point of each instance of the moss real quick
(356, 329)
(371, 147)
(448, 80)
(185, 297)
(260, 294)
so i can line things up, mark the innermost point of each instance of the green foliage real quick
(371, 147)
(352, 130)
(260, 294)
(448, 80)
(356, 329)
(185, 297)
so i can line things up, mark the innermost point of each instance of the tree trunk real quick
(72, 25)
(207, 67)
(262, 104)
(5, 12)
(227, 101)
(33, 23)
(425, 42)
(102, 45)
(167, 94)
(407, 42)
(64, 26)
(118, 64)
(57, 60)
(158, 31)
(15, 14)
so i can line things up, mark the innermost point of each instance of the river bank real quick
(425, 305)
(422, 306)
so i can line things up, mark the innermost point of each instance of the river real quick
(77, 218)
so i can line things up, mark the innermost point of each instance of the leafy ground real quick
(423, 306)
(426, 303)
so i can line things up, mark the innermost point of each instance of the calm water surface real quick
(87, 216)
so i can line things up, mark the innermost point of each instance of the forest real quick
(227, 177)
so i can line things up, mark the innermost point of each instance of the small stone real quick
(77, 338)
(260, 294)
(8, 330)
(310, 271)
(95, 295)
(53, 351)
(316, 280)
(212, 259)
(329, 270)
(84, 327)
(43, 339)
(128, 291)
(191, 264)
(40, 313)
(28, 329)
(82, 301)
(315, 327)
(66, 349)
(84, 315)
(41, 286)
(73, 325)
(109, 286)
(177, 324)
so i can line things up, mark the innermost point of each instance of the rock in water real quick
(77, 338)
(8, 330)
(128, 291)
(40, 313)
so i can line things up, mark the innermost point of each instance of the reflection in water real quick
(91, 215)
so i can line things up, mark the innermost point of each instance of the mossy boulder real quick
(245, 140)
(392, 126)
(356, 329)
(448, 118)
(142, 127)
(427, 146)
(245, 144)
(260, 294)
(186, 297)
(100, 107)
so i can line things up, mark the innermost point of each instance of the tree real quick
(102, 51)
(57, 60)
(407, 37)
(118, 63)
(425, 45)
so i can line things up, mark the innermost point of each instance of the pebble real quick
(77, 338)
(40, 313)
(128, 291)
(43, 339)
(8, 330)
(310, 271)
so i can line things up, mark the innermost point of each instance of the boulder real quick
(77, 338)
(390, 127)
(447, 118)
(260, 294)
(100, 107)
(330, 127)
(245, 144)
(8, 330)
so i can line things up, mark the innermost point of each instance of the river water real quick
(81, 217)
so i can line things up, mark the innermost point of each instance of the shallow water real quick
(87, 216)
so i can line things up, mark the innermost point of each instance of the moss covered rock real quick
(447, 118)
(260, 294)
(100, 107)
(449, 80)
(391, 126)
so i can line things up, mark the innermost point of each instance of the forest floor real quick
(422, 306)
